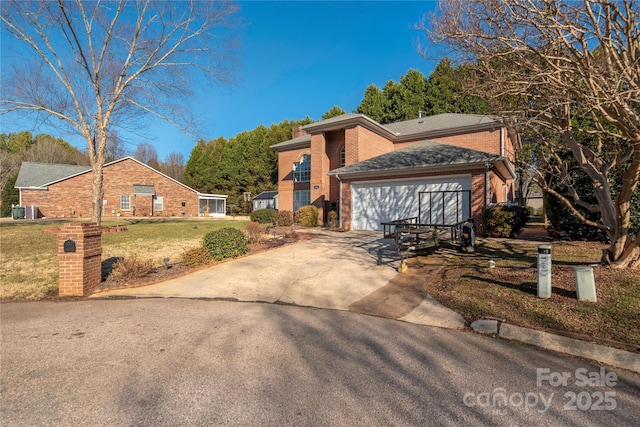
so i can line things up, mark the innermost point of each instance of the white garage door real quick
(375, 202)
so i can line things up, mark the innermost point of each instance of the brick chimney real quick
(297, 131)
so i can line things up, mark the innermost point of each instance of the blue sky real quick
(294, 59)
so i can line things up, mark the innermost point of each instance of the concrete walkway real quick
(357, 272)
(354, 271)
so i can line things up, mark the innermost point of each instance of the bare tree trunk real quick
(97, 194)
(630, 256)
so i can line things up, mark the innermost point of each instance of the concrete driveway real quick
(338, 271)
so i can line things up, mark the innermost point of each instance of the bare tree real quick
(96, 65)
(173, 166)
(114, 149)
(146, 153)
(567, 75)
(47, 149)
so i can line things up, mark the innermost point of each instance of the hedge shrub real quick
(505, 221)
(307, 216)
(263, 216)
(196, 256)
(283, 219)
(225, 243)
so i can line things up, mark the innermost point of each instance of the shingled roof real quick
(266, 195)
(440, 123)
(419, 156)
(423, 127)
(39, 175)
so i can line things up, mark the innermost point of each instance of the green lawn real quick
(29, 265)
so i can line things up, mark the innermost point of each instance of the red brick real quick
(72, 197)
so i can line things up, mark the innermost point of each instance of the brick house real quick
(131, 188)
(445, 167)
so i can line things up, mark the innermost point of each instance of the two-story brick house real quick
(446, 167)
(131, 188)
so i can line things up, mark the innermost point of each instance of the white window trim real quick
(158, 201)
(128, 196)
(302, 174)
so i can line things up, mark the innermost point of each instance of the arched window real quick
(302, 169)
(342, 156)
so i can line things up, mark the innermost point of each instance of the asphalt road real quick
(175, 362)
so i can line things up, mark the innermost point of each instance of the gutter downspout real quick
(502, 141)
(340, 202)
(487, 185)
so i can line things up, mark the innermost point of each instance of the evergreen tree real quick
(374, 104)
(411, 95)
(10, 196)
(391, 93)
(15, 142)
(445, 92)
(244, 163)
(333, 112)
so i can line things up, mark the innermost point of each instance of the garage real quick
(438, 200)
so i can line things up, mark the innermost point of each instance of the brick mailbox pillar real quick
(79, 258)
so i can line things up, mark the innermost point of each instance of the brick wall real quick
(286, 159)
(79, 271)
(369, 144)
(335, 144)
(319, 168)
(488, 141)
(72, 197)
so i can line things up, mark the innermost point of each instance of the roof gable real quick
(419, 156)
(39, 175)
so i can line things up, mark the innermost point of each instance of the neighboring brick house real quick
(131, 188)
(372, 173)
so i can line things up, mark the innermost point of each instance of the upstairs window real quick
(302, 169)
(342, 157)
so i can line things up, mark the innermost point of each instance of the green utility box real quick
(17, 212)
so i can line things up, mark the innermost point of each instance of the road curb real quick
(611, 356)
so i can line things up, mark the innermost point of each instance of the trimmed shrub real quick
(263, 216)
(505, 221)
(225, 243)
(283, 219)
(255, 231)
(307, 216)
(130, 268)
(196, 256)
(520, 218)
(332, 215)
